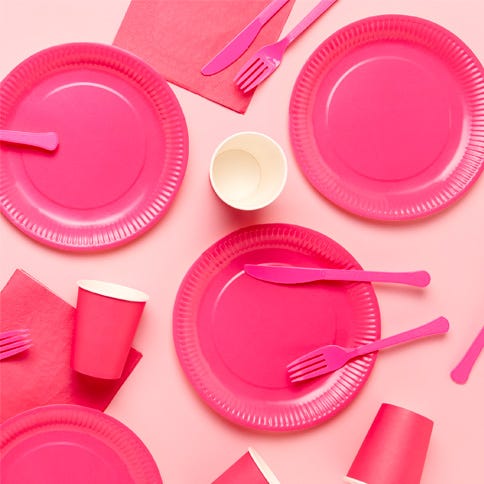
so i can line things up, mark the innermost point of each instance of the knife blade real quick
(242, 41)
(299, 275)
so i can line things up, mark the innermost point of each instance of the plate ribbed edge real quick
(318, 406)
(465, 67)
(158, 94)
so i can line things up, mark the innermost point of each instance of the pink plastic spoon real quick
(47, 141)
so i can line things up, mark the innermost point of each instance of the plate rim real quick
(462, 177)
(78, 416)
(101, 236)
(305, 416)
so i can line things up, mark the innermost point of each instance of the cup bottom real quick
(237, 174)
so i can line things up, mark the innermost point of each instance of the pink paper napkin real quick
(42, 374)
(178, 37)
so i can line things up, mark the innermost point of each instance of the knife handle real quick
(418, 278)
(271, 10)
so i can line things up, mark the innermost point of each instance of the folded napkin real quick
(178, 37)
(42, 374)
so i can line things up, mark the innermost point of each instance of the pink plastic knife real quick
(461, 372)
(241, 42)
(300, 275)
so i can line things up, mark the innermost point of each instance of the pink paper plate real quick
(234, 335)
(74, 444)
(386, 118)
(122, 151)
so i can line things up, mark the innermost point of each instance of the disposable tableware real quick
(234, 339)
(369, 118)
(461, 372)
(14, 342)
(248, 170)
(122, 154)
(332, 357)
(394, 449)
(266, 60)
(299, 275)
(72, 443)
(241, 42)
(47, 141)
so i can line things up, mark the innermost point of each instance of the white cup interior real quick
(263, 467)
(350, 480)
(110, 289)
(248, 170)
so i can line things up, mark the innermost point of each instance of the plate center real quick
(259, 327)
(102, 145)
(388, 118)
(64, 456)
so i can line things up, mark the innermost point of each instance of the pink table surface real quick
(157, 402)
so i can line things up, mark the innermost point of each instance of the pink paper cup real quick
(394, 449)
(249, 469)
(107, 317)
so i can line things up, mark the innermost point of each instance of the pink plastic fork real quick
(267, 59)
(47, 141)
(14, 342)
(332, 357)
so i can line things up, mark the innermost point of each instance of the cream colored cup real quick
(248, 170)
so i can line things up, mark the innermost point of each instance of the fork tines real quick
(13, 342)
(251, 75)
(306, 367)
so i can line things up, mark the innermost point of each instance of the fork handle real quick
(310, 18)
(437, 326)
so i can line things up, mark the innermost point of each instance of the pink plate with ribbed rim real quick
(234, 335)
(60, 444)
(387, 116)
(122, 153)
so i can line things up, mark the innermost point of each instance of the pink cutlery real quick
(266, 60)
(299, 275)
(47, 141)
(14, 342)
(242, 41)
(332, 357)
(461, 372)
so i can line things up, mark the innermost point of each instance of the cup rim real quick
(284, 175)
(269, 476)
(112, 290)
(352, 480)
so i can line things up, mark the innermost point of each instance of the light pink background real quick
(190, 443)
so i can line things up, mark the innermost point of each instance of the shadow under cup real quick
(107, 317)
